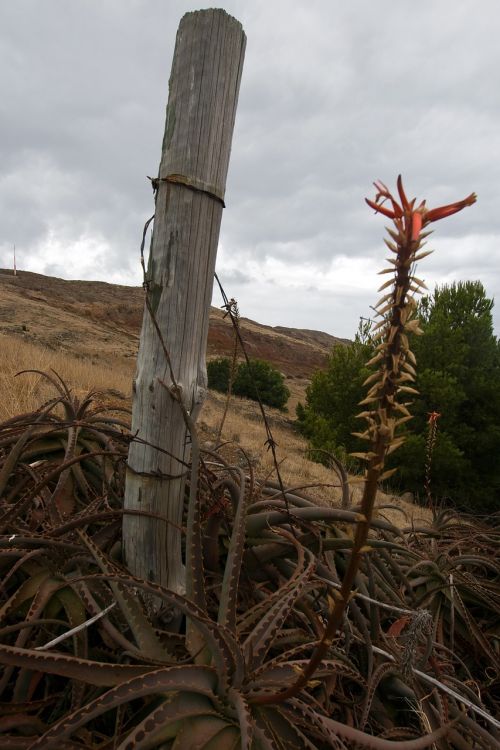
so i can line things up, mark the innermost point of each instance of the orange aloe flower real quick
(412, 220)
(433, 417)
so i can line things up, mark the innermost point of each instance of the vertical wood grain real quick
(203, 95)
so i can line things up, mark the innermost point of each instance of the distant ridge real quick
(93, 318)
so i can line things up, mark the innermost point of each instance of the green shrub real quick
(258, 377)
(218, 373)
(328, 417)
(458, 371)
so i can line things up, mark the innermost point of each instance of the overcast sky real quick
(334, 94)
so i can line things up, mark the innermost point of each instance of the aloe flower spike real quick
(413, 219)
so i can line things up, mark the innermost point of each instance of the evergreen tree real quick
(261, 377)
(458, 376)
(218, 374)
(328, 418)
(257, 377)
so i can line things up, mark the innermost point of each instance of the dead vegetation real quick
(87, 665)
(243, 426)
(24, 392)
(302, 624)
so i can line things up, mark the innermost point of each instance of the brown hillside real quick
(93, 318)
(88, 332)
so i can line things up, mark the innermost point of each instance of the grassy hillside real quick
(69, 327)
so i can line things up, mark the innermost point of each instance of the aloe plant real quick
(292, 635)
(266, 603)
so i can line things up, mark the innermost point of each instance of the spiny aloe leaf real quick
(260, 639)
(265, 600)
(54, 379)
(400, 578)
(19, 507)
(10, 708)
(74, 608)
(286, 673)
(480, 561)
(158, 726)
(17, 449)
(39, 622)
(293, 495)
(283, 727)
(284, 731)
(60, 495)
(225, 649)
(92, 672)
(256, 612)
(40, 602)
(191, 678)
(331, 729)
(13, 457)
(144, 634)
(227, 739)
(26, 591)
(476, 632)
(370, 742)
(10, 742)
(229, 594)
(36, 541)
(79, 477)
(207, 733)
(24, 555)
(474, 732)
(85, 519)
(23, 722)
(93, 608)
(260, 553)
(377, 675)
(46, 588)
(76, 614)
(311, 722)
(256, 522)
(263, 737)
(244, 717)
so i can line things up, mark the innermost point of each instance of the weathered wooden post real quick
(203, 94)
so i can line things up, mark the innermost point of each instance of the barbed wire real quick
(270, 442)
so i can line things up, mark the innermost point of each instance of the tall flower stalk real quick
(389, 386)
(432, 425)
(392, 382)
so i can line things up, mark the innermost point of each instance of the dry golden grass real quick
(112, 376)
(243, 427)
(25, 392)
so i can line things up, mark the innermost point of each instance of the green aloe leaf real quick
(229, 595)
(208, 733)
(191, 678)
(93, 672)
(165, 721)
(260, 639)
(144, 633)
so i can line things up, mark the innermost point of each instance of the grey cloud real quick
(333, 96)
(233, 277)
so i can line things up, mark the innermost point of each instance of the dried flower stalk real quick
(389, 386)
